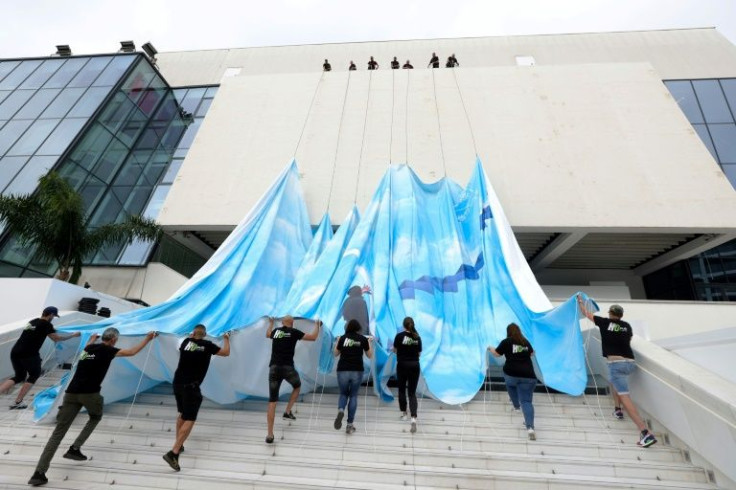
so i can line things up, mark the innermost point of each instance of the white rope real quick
(393, 103)
(337, 143)
(467, 117)
(362, 141)
(149, 348)
(406, 118)
(309, 111)
(439, 126)
(319, 404)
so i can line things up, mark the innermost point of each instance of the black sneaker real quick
(38, 479)
(173, 460)
(18, 406)
(338, 420)
(75, 454)
(269, 439)
(289, 416)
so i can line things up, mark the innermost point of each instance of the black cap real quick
(617, 310)
(51, 310)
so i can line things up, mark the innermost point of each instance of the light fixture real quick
(127, 46)
(63, 50)
(150, 50)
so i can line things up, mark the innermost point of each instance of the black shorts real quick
(188, 400)
(277, 374)
(29, 367)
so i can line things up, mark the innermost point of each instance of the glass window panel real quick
(27, 179)
(9, 168)
(93, 143)
(136, 253)
(133, 168)
(191, 132)
(116, 111)
(89, 103)
(191, 101)
(705, 137)
(149, 139)
(171, 172)
(108, 210)
(4, 94)
(712, 101)
(62, 137)
(211, 92)
(18, 76)
(8, 270)
(33, 137)
(167, 110)
(110, 161)
(724, 139)
(11, 132)
(682, 92)
(6, 67)
(180, 94)
(203, 108)
(171, 139)
(14, 102)
(74, 174)
(730, 171)
(67, 71)
(729, 88)
(114, 71)
(92, 192)
(132, 127)
(150, 99)
(136, 199)
(63, 102)
(138, 81)
(90, 72)
(157, 201)
(38, 103)
(42, 73)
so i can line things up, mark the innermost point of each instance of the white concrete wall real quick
(676, 53)
(602, 147)
(152, 284)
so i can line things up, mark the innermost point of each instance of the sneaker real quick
(338, 420)
(647, 439)
(618, 413)
(413, 426)
(75, 454)
(18, 406)
(517, 409)
(289, 416)
(532, 434)
(173, 460)
(404, 417)
(38, 479)
(349, 429)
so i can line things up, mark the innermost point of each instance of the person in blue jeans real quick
(350, 348)
(518, 372)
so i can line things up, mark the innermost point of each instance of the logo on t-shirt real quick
(350, 343)
(30, 327)
(280, 334)
(86, 356)
(409, 341)
(518, 349)
(615, 327)
(192, 347)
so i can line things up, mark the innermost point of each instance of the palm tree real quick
(52, 220)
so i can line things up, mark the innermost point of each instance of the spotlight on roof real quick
(127, 46)
(150, 50)
(63, 50)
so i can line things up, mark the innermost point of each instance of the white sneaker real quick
(404, 417)
(532, 434)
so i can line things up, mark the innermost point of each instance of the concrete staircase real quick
(480, 445)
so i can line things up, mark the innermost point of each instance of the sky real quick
(35, 27)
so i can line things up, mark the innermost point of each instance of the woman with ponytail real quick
(518, 372)
(408, 346)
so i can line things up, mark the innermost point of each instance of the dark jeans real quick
(521, 391)
(349, 383)
(407, 375)
(73, 403)
(277, 374)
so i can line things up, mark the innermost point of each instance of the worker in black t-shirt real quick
(408, 66)
(408, 347)
(195, 353)
(350, 348)
(281, 367)
(451, 61)
(352, 66)
(434, 62)
(518, 372)
(25, 356)
(372, 64)
(395, 64)
(83, 391)
(616, 346)
(326, 66)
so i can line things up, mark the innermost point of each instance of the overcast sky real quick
(34, 27)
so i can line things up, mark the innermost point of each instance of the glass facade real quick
(710, 106)
(110, 125)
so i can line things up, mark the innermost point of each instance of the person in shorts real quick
(281, 366)
(25, 356)
(195, 353)
(616, 345)
(83, 391)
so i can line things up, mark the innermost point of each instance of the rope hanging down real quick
(309, 111)
(467, 117)
(337, 143)
(362, 141)
(406, 117)
(439, 127)
(393, 102)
